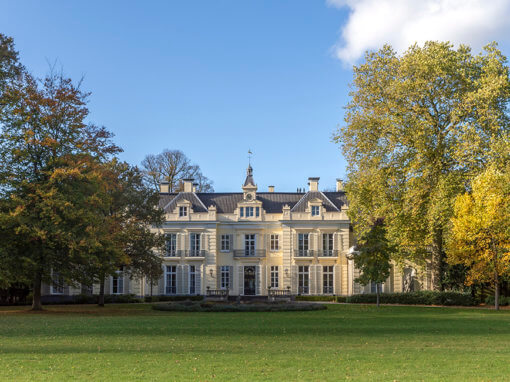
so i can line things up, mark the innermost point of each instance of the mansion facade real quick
(251, 242)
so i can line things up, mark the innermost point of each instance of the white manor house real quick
(250, 242)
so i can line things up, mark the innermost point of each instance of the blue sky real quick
(212, 78)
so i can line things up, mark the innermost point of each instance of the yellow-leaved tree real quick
(480, 236)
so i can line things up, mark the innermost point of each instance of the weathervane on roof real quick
(249, 157)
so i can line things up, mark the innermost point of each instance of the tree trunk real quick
(377, 293)
(100, 301)
(438, 262)
(151, 285)
(496, 291)
(36, 291)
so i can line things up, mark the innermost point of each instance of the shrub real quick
(503, 301)
(341, 298)
(415, 298)
(316, 298)
(121, 298)
(190, 306)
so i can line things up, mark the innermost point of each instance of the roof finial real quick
(249, 157)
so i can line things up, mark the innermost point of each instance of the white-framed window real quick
(225, 243)
(274, 276)
(257, 211)
(249, 244)
(171, 279)
(241, 211)
(249, 212)
(274, 242)
(327, 244)
(303, 244)
(57, 285)
(171, 244)
(316, 210)
(373, 287)
(327, 279)
(303, 279)
(192, 279)
(224, 277)
(118, 282)
(183, 211)
(194, 244)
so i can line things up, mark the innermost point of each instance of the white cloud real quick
(401, 23)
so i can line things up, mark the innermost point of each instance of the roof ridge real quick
(330, 202)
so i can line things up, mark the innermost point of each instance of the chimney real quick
(164, 188)
(188, 185)
(270, 188)
(339, 185)
(195, 185)
(314, 184)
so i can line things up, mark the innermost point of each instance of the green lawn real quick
(133, 342)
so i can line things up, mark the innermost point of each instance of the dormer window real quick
(249, 212)
(316, 210)
(183, 211)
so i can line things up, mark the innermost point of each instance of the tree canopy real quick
(480, 236)
(173, 166)
(418, 126)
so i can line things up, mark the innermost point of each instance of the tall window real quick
(192, 279)
(118, 283)
(171, 279)
(57, 285)
(303, 244)
(225, 243)
(171, 244)
(274, 244)
(249, 211)
(257, 211)
(224, 277)
(327, 244)
(249, 244)
(373, 287)
(316, 210)
(183, 211)
(194, 244)
(274, 276)
(303, 279)
(241, 211)
(327, 279)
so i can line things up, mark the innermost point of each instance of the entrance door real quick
(249, 281)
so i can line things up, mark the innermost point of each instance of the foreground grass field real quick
(345, 342)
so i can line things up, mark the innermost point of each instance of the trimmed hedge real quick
(503, 301)
(190, 306)
(415, 298)
(172, 298)
(316, 298)
(90, 299)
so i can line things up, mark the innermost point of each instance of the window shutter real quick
(318, 272)
(257, 280)
(186, 279)
(241, 279)
(161, 283)
(198, 279)
(230, 277)
(313, 279)
(179, 279)
(294, 279)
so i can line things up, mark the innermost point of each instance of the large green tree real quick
(418, 126)
(129, 210)
(372, 256)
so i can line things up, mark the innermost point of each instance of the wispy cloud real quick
(401, 23)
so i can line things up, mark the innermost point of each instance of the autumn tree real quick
(418, 126)
(48, 179)
(480, 236)
(372, 256)
(173, 166)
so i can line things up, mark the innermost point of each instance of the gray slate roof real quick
(272, 202)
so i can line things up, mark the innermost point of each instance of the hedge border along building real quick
(248, 242)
